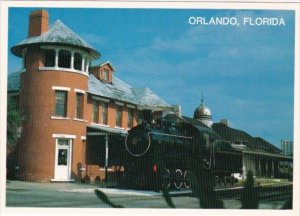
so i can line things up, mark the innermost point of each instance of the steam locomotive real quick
(168, 144)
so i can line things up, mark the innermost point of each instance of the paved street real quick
(75, 195)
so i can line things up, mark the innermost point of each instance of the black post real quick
(106, 157)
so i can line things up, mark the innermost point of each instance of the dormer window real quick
(103, 72)
(106, 75)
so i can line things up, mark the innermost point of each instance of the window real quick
(95, 111)
(62, 154)
(118, 116)
(61, 103)
(130, 118)
(77, 61)
(49, 56)
(79, 105)
(64, 59)
(24, 61)
(104, 113)
(106, 75)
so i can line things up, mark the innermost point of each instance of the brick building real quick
(75, 115)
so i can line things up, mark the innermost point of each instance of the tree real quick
(13, 123)
(250, 194)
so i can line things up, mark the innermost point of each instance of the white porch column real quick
(82, 63)
(106, 157)
(56, 58)
(259, 167)
(244, 166)
(87, 67)
(72, 60)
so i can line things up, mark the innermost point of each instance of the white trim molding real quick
(120, 128)
(101, 125)
(79, 91)
(83, 137)
(61, 88)
(100, 99)
(62, 180)
(67, 136)
(59, 118)
(63, 70)
(108, 169)
(130, 106)
(119, 103)
(80, 120)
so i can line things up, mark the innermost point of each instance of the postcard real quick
(149, 107)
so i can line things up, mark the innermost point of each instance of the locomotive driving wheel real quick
(187, 179)
(178, 179)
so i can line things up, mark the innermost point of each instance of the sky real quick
(245, 73)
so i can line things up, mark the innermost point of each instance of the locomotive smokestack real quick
(147, 116)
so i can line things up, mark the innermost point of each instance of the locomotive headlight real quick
(137, 142)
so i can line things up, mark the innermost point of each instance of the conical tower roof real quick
(58, 34)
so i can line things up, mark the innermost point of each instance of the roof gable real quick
(148, 98)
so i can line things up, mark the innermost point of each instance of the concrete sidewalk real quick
(22, 185)
(77, 187)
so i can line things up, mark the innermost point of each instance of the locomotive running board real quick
(170, 135)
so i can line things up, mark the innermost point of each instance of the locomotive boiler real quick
(171, 142)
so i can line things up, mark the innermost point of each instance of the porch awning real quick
(104, 130)
(268, 154)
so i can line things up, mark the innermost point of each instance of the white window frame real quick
(79, 91)
(60, 88)
(64, 136)
(82, 92)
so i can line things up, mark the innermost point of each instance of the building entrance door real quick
(63, 160)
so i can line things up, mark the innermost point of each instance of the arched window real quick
(64, 59)
(77, 61)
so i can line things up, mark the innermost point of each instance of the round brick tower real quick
(53, 97)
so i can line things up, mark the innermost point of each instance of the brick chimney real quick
(38, 23)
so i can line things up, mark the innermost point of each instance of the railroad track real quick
(266, 193)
